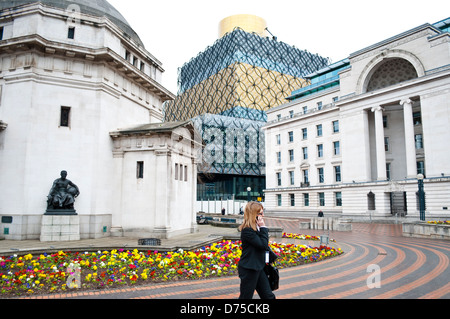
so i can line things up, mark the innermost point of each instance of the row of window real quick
(319, 132)
(305, 176)
(134, 60)
(319, 106)
(337, 200)
(418, 141)
(306, 199)
(319, 152)
(337, 174)
(181, 172)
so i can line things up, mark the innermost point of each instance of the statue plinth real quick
(60, 212)
(59, 227)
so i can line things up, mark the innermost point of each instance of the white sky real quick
(175, 31)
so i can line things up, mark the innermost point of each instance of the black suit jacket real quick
(254, 247)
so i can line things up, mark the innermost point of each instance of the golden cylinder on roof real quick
(247, 22)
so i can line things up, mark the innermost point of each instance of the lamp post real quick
(249, 189)
(421, 197)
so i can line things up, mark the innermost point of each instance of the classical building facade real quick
(74, 78)
(353, 142)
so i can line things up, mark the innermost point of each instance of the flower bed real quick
(439, 222)
(65, 270)
(303, 237)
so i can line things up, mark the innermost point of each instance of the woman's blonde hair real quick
(250, 214)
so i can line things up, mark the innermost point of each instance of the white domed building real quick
(79, 92)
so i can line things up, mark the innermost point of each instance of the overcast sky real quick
(175, 31)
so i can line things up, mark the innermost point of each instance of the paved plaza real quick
(378, 263)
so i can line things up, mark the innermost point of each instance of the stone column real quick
(411, 168)
(162, 193)
(379, 141)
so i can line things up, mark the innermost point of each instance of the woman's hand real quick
(260, 221)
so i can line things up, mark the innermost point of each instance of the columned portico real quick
(411, 168)
(379, 141)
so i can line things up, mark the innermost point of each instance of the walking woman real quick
(255, 254)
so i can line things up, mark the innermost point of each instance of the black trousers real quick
(252, 280)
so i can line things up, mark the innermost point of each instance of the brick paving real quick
(407, 268)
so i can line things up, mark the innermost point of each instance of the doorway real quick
(398, 204)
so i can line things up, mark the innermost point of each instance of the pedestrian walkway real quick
(378, 263)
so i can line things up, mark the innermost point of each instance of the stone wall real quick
(425, 230)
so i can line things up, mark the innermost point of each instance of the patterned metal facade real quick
(226, 91)
(242, 70)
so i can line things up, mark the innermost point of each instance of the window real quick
(305, 109)
(337, 148)
(279, 179)
(140, 170)
(142, 67)
(388, 171)
(278, 157)
(71, 33)
(279, 117)
(321, 199)
(1, 33)
(278, 139)
(305, 176)
(335, 99)
(185, 173)
(291, 114)
(320, 174)
(292, 177)
(417, 118)
(127, 55)
(338, 198)
(319, 105)
(335, 126)
(371, 201)
(65, 116)
(279, 199)
(292, 199)
(421, 168)
(291, 136)
(291, 155)
(304, 133)
(385, 121)
(386, 144)
(319, 130)
(419, 141)
(305, 153)
(320, 150)
(176, 172)
(306, 199)
(181, 172)
(337, 173)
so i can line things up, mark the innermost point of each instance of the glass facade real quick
(225, 91)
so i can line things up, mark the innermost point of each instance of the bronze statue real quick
(62, 194)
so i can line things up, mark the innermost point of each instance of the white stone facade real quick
(384, 123)
(67, 80)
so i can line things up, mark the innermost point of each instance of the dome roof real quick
(97, 8)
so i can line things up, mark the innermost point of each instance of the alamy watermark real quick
(74, 278)
(374, 279)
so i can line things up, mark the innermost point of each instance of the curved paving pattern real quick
(409, 268)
